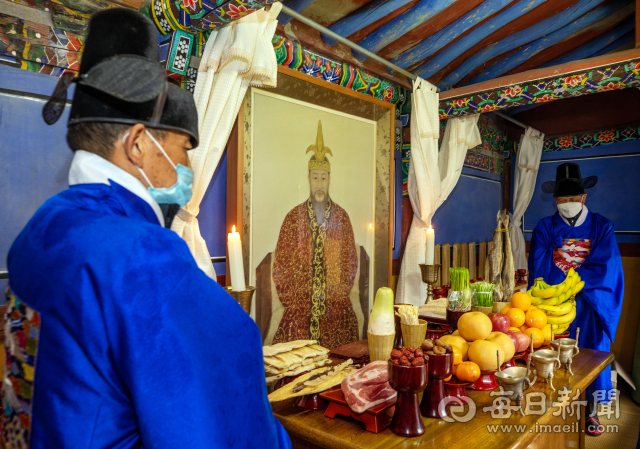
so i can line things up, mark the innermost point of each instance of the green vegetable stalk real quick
(484, 293)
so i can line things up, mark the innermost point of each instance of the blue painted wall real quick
(35, 159)
(617, 167)
(469, 214)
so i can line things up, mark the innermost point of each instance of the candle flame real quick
(234, 229)
(370, 225)
(430, 227)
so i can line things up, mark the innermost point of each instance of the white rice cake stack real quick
(293, 358)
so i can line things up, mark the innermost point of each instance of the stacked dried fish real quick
(293, 358)
(508, 280)
(316, 381)
(500, 260)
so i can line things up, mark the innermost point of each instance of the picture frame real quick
(274, 133)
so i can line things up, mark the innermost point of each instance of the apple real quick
(474, 326)
(522, 340)
(500, 322)
(505, 341)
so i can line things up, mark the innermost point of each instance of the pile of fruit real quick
(533, 313)
(479, 338)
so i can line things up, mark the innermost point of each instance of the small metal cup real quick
(545, 363)
(515, 381)
(567, 349)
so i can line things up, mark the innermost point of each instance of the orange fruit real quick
(457, 355)
(546, 334)
(532, 308)
(523, 328)
(521, 301)
(505, 309)
(536, 318)
(516, 317)
(468, 372)
(448, 378)
(514, 329)
(538, 338)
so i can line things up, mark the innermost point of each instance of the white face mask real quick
(569, 210)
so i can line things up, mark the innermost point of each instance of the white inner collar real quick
(89, 168)
(581, 218)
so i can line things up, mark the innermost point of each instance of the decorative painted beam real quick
(293, 56)
(444, 36)
(608, 72)
(363, 17)
(590, 139)
(310, 38)
(489, 34)
(614, 11)
(397, 28)
(296, 5)
(613, 38)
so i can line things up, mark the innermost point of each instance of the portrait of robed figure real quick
(312, 177)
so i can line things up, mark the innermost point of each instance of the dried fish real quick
(508, 278)
(493, 270)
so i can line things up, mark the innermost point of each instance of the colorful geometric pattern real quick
(591, 139)
(572, 254)
(21, 345)
(406, 159)
(179, 53)
(600, 79)
(293, 55)
(195, 16)
(484, 162)
(37, 48)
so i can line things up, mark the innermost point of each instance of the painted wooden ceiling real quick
(454, 43)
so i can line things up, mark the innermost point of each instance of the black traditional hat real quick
(121, 79)
(568, 181)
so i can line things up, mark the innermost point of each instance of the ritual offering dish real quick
(311, 402)
(408, 381)
(435, 330)
(398, 343)
(455, 388)
(545, 363)
(375, 418)
(311, 383)
(453, 317)
(567, 349)
(414, 334)
(440, 367)
(430, 277)
(511, 363)
(514, 380)
(486, 382)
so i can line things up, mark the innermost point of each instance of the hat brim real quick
(549, 186)
(590, 181)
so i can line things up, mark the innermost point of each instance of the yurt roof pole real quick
(299, 17)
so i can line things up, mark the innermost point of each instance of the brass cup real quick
(429, 277)
(244, 298)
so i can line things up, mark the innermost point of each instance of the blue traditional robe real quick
(599, 303)
(137, 346)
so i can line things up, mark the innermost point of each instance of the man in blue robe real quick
(116, 339)
(574, 237)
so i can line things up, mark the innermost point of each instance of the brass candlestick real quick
(244, 298)
(430, 277)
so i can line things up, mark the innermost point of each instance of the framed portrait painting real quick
(311, 185)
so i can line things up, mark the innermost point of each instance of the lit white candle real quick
(431, 239)
(370, 241)
(236, 265)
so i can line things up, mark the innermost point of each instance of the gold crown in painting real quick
(318, 161)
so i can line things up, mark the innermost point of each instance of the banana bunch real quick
(557, 301)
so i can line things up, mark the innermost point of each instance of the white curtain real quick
(528, 161)
(432, 177)
(236, 56)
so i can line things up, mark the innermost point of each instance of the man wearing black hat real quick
(115, 337)
(576, 238)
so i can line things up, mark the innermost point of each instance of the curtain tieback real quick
(186, 216)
